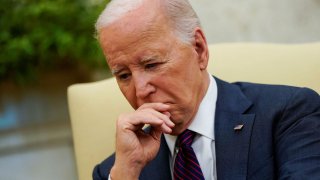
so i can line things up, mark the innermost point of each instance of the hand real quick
(134, 147)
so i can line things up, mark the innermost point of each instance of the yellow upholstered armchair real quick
(94, 107)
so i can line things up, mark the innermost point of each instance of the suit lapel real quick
(232, 146)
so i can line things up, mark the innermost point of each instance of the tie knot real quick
(185, 138)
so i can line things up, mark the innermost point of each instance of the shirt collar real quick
(203, 122)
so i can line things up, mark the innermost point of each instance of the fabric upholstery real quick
(94, 107)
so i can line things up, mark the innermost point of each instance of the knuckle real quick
(143, 106)
(146, 110)
(122, 118)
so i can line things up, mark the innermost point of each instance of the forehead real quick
(133, 33)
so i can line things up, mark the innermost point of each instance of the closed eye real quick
(151, 66)
(124, 76)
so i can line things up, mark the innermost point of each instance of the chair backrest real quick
(94, 107)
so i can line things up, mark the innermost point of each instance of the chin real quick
(174, 133)
(178, 129)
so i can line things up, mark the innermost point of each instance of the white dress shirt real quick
(203, 143)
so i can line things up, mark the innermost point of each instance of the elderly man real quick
(199, 127)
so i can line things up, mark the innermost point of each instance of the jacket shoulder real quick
(278, 93)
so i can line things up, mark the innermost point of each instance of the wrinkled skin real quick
(162, 78)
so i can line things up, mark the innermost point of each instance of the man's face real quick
(152, 65)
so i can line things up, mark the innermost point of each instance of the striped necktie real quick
(186, 165)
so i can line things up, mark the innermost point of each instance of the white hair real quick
(180, 14)
(114, 10)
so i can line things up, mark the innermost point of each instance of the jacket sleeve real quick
(102, 170)
(297, 137)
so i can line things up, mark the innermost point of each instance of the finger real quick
(160, 130)
(167, 113)
(136, 120)
(162, 116)
(166, 129)
(161, 107)
(154, 121)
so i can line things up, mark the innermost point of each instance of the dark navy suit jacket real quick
(280, 138)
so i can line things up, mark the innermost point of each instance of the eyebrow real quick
(143, 61)
(147, 59)
(116, 71)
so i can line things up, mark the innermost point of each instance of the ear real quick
(201, 47)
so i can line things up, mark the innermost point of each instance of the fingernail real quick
(171, 123)
(167, 113)
(169, 131)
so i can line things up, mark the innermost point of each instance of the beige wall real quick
(285, 21)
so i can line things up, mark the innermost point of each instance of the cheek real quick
(175, 84)
(184, 97)
(129, 94)
(180, 95)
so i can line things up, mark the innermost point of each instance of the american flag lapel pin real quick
(238, 127)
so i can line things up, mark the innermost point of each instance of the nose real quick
(143, 86)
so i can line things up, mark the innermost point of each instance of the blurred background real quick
(47, 45)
